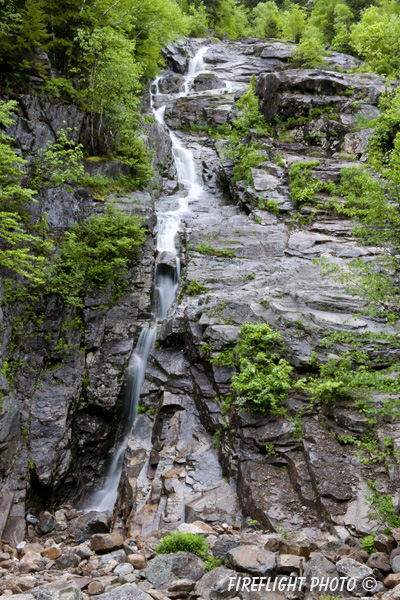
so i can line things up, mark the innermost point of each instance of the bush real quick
(264, 376)
(195, 288)
(96, 252)
(302, 185)
(309, 54)
(367, 543)
(184, 542)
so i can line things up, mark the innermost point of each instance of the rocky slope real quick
(188, 461)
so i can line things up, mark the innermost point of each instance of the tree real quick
(376, 38)
(16, 244)
(294, 22)
(267, 20)
(310, 52)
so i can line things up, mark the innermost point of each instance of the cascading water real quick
(166, 278)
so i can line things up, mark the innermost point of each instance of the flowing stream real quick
(165, 284)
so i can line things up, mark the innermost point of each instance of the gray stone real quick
(67, 561)
(215, 584)
(128, 591)
(350, 568)
(396, 564)
(165, 568)
(252, 559)
(119, 556)
(222, 547)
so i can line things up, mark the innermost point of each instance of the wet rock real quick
(165, 568)
(207, 81)
(251, 559)
(106, 542)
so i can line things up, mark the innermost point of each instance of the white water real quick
(165, 285)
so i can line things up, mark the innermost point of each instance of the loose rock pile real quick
(73, 563)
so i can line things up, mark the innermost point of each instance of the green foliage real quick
(245, 153)
(302, 185)
(21, 251)
(309, 53)
(195, 288)
(212, 562)
(350, 377)
(267, 20)
(367, 543)
(183, 542)
(209, 250)
(377, 224)
(217, 438)
(59, 163)
(376, 38)
(95, 252)
(263, 377)
(382, 508)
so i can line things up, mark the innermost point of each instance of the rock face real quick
(261, 269)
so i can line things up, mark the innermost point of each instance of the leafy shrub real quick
(382, 509)
(209, 250)
(183, 542)
(367, 543)
(195, 288)
(211, 562)
(95, 252)
(264, 376)
(309, 54)
(302, 185)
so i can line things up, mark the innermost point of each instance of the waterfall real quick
(166, 278)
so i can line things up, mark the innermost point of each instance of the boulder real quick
(223, 546)
(165, 568)
(392, 580)
(384, 543)
(86, 525)
(215, 584)
(68, 561)
(252, 559)
(207, 81)
(106, 542)
(95, 588)
(350, 568)
(119, 556)
(396, 564)
(128, 591)
(52, 552)
(289, 563)
(137, 561)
